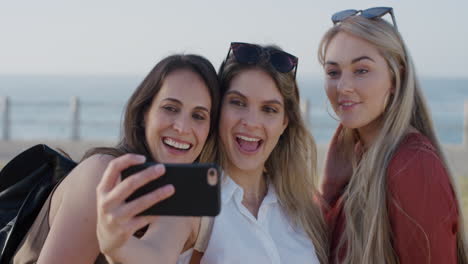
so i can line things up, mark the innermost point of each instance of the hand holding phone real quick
(197, 189)
(116, 219)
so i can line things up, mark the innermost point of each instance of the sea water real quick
(40, 106)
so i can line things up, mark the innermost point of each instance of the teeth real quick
(248, 139)
(176, 144)
(347, 104)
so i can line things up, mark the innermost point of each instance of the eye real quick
(332, 73)
(361, 71)
(198, 116)
(237, 102)
(171, 108)
(269, 109)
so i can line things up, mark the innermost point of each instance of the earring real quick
(328, 112)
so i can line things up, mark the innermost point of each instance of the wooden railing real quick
(75, 123)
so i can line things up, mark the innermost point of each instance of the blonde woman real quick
(268, 212)
(389, 187)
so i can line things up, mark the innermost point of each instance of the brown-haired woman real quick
(389, 187)
(169, 119)
(268, 212)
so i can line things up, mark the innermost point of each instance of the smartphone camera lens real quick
(212, 177)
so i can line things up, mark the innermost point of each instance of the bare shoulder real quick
(90, 170)
(81, 182)
(97, 162)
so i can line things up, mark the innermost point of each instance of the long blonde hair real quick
(292, 165)
(367, 232)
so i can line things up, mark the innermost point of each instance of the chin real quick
(350, 124)
(247, 164)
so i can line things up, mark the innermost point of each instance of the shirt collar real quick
(229, 188)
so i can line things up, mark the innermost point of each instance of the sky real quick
(122, 37)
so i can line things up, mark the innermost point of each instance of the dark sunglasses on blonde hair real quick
(246, 53)
(370, 13)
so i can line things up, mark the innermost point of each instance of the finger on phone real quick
(115, 167)
(133, 182)
(139, 205)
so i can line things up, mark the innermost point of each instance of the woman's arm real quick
(422, 209)
(163, 246)
(72, 236)
(164, 241)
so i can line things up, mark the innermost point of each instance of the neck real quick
(252, 182)
(369, 133)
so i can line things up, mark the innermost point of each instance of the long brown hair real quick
(133, 138)
(367, 234)
(291, 166)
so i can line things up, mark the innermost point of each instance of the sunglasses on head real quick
(246, 53)
(371, 13)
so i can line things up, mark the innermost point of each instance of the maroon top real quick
(421, 206)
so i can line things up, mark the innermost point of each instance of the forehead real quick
(186, 86)
(344, 47)
(256, 84)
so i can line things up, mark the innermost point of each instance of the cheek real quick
(226, 118)
(377, 92)
(225, 124)
(330, 90)
(151, 127)
(280, 127)
(202, 132)
(157, 124)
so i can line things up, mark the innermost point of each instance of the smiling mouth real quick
(248, 144)
(176, 145)
(347, 105)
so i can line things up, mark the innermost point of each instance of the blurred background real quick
(68, 67)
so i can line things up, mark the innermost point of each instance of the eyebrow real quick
(177, 101)
(353, 61)
(362, 58)
(272, 101)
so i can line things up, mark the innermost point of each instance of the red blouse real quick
(421, 206)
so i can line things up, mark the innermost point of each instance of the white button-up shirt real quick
(239, 237)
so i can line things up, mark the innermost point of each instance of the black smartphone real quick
(197, 189)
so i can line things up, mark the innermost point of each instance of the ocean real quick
(40, 106)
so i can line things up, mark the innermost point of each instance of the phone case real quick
(194, 195)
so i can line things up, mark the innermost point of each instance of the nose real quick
(345, 84)
(251, 119)
(181, 124)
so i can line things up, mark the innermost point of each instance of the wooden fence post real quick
(5, 113)
(75, 118)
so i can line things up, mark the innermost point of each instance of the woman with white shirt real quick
(270, 207)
